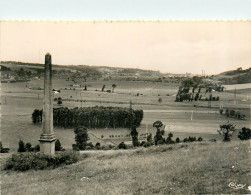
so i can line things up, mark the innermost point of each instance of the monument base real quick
(47, 144)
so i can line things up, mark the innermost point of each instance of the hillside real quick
(238, 76)
(196, 168)
(104, 70)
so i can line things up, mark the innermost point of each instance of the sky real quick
(168, 46)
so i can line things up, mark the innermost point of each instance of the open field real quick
(181, 118)
(195, 168)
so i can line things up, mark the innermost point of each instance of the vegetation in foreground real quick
(37, 161)
(194, 168)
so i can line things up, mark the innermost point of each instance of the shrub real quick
(21, 147)
(90, 145)
(160, 100)
(244, 134)
(58, 146)
(97, 146)
(37, 148)
(169, 139)
(28, 147)
(177, 140)
(88, 148)
(200, 139)
(25, 162)
(142, 143)
(227, 131)
(147, 144)
(191, 139)
(2, 149)
(134, 135)
(122, 145)
(221, 111)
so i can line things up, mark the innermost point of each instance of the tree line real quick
(92, 117)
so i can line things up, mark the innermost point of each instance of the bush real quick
(88, 148)
(25, 162)
(191, 139)
(177, 140)
(28, 147)
(2, 149)
(244, 134)
(147, 144)
(221, 111)
(58, 146)
(142, 143)
(90, 144)
(37, 148)
(200, 139)
(97, 146)
(122, 145)
(21, 147)
(169, 139)
(227, 131)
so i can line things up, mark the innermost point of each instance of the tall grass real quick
(195, 168)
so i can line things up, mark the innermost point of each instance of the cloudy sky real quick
(175, 46)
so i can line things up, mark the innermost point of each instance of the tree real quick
(134, 135)
(60, 101)
(35, 116)
(200, 139)
(81, 137)
(244, 134)
(158, 139)
(169, 139)
(227, 131)
(103, 88)
(21, 147)
(113, 87)
(157, 124)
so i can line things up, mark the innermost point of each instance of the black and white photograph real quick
(122, 97)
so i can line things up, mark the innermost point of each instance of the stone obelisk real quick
(47, 138)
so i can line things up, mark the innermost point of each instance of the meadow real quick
(183, 119)
(195, 168)
(208, 167)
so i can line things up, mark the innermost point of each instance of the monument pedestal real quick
(47, 144)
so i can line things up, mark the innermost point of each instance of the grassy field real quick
(18, 103)
(196, 168)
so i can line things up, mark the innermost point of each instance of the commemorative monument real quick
(47, 138)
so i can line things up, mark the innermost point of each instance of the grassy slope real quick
(185, 169)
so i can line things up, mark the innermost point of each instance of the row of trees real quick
(232, 113)
(92, 117)
(184, 92)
